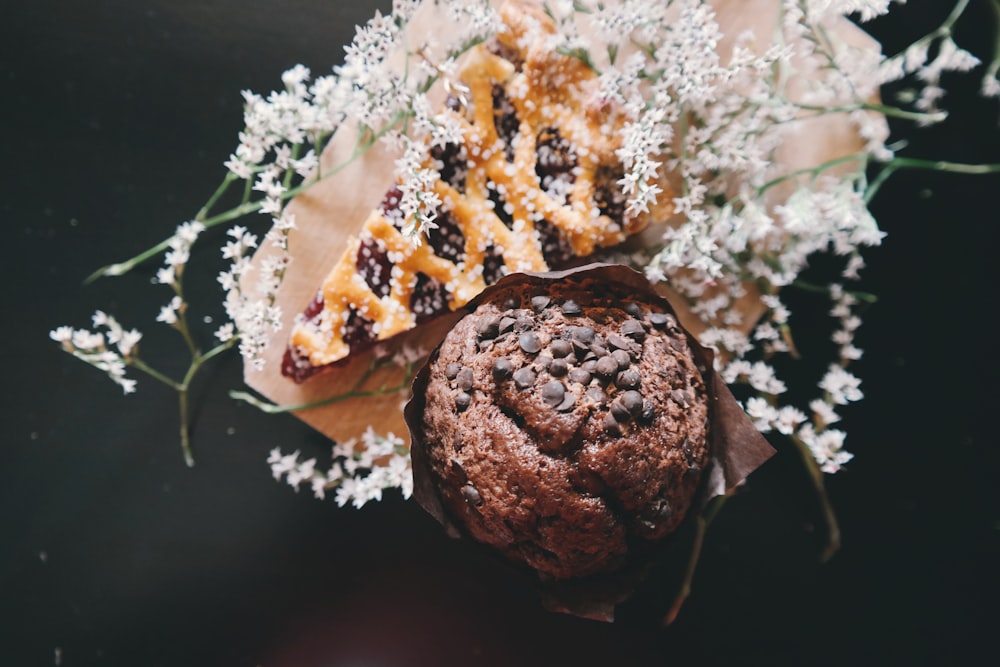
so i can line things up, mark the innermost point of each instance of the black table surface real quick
(116, 118)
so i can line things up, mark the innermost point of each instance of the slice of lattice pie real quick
(533, 186)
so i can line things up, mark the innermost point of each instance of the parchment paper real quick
(335, 208)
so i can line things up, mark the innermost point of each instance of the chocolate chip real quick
(506, 323)
(553, 392)
(611, 426)
(488, 327)
(571, 308)
(633, 309)
(524, 378)
(540, 302)
(465, 379)
(590, 365)
(648, 412)
(524, 322)
(597, 395)
(561, 348)
(462, 401)
(622, 359)
(606, 367)
(569, 400)
(579, 376)
(451, 370)
(628, 379)
(558, 367)
(660, 320)
(619, 412)
(471, 495)
(456, 471)
(633, 329)
(502, 369)
(618, 342)
(583, 334)
(529, 342)
(598, 350)
(632, 401)
(512, 302)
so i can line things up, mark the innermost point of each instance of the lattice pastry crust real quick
(532, 187)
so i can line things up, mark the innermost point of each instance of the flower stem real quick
(185, 428)
(933, 165)
(806, 286)
(197, 362)
(829, 516)
(353, 392)
(701, 528)
(813, 171)
(246, 208)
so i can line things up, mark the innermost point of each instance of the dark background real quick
(116, 117)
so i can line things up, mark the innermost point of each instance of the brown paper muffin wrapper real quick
(736, 448)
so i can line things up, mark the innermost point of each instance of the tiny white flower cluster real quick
(176, 258)
(95, 347)
(916, 64)
(360, 471)
(174, 261)
(255, 318)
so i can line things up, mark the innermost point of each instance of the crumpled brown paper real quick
(335, 208)
(736, 447)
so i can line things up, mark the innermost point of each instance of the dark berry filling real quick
(608, 194)
(556, 159)
(505, 120)
(293, 364)
(390, 206)
(498, 48)
(358, 330)
(499, 205)
(429, 298)
(447, 240)
(374, 266)
(492, 266)
(452, 164)
(555, 249)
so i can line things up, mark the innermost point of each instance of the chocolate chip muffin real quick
(565, 424)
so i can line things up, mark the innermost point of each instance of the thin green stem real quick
(814, 171)
(185, 428)
(138, 363)
(994, 66)
(933, 165)
(867, 297)
(829, 516)
(884, 109)
(246, 208)
(702, 522)
(221, 190)
(353, 392)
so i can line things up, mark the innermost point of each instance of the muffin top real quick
(566, 423)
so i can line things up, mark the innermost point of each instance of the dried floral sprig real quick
(360, 470)
(717, 126)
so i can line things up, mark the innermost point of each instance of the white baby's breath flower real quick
(360, 472)
(842, 386)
